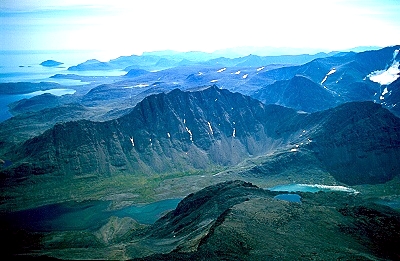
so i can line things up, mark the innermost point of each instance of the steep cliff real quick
(357, 142)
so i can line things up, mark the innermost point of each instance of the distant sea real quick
(24, 66)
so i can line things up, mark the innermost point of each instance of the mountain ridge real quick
(198, 130)
(236, 220)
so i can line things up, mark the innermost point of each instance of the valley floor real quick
(109, 241)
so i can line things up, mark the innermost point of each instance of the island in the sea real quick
(51, 63)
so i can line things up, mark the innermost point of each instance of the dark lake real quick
(83, 215)
(289, 197)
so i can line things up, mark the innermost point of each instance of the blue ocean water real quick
(24, 66)
(6, 99)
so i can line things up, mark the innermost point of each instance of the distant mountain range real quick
(160, 61)
(326, 82)
(244, 56)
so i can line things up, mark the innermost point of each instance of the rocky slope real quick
(238, 221)
(391, 97)
(299, 92)
(360, 143)
(181, 131)
(167, 132)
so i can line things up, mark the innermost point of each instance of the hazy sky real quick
(120, 27)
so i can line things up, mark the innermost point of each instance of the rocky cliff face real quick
(358, 143)
(182, 131)
(177, 131)
(299, 92)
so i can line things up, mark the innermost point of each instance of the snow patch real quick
(234, 132)
(395, 53)
(168, 135)
(294, 150)
(190, 134)
(200, 73)
(238, 72)
(209, 126)
(386, 77)
(327, 187)
(326, 77)
(332, 71)
(221, 70)
(312, 188)
(261, 68)
(385, 91)
(245, 76)
(141, 85)
(214, 81)
(132, 141)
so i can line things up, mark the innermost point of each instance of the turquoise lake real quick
(311, 188)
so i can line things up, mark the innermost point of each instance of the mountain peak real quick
(212, 127)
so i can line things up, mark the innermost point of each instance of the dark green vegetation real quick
(153, 135)
(237, 221)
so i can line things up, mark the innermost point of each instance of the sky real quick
(122, 27)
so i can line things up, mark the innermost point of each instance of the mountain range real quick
(165, 60)
(214, 131)
(327, 82)
(315, 83)
(178, 131)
